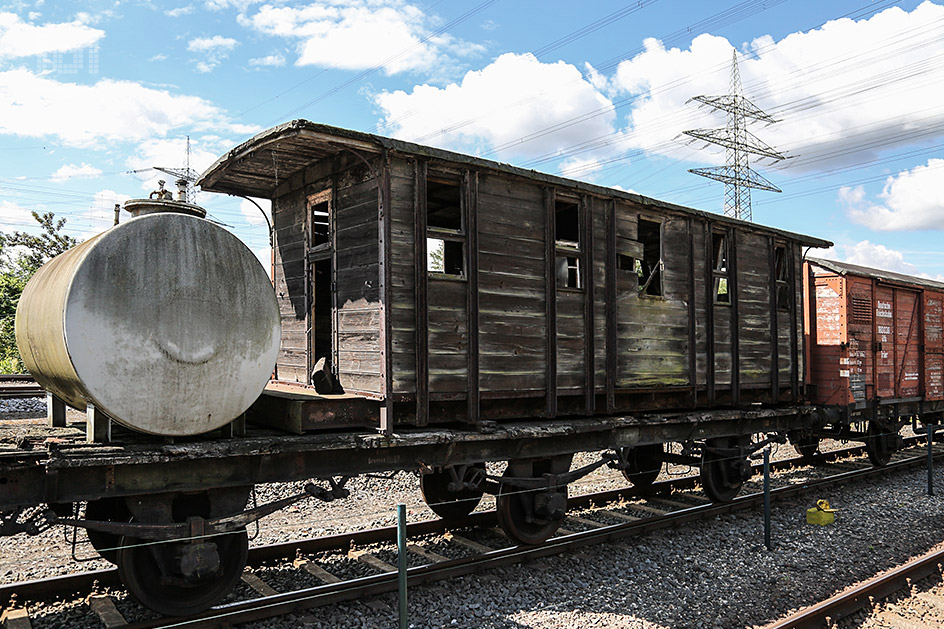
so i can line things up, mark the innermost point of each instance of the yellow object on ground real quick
(821, 514)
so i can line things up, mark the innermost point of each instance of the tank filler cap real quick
(162, 200)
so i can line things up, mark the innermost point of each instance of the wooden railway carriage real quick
(451, 288)
(876, 351)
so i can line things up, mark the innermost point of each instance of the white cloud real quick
(70, 171)
(22, 39)
(251, 213)
(158, 57)
(360, 34)
(910, 200)
(14, 217)
(513, 97)
(869, 254)
(265, 258)
(212, 50)
(274, 60)
(85, 115)
(187, 10)
(843, 91)
(211, 44)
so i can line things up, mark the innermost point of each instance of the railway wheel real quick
(724, 468)
(528, 515)
(880, 443)
(644, 464)
(182, 578)
(106, 510)
(447, 503)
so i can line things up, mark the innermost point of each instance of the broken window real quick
(443, 204)
(319, 219)
(719, 265)
(650, 267)
(444, 256)
(782, 275)
(568, 272)
(445, 242)
(567, 224)
(567, 240)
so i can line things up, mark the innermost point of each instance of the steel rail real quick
(21, 390)
(300, 600)
(83, 581)
(855, 598)
(16, 377)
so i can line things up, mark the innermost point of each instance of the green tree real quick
(21, 255)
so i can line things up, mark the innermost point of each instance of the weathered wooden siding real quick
(653, 330)
(402, 174)
(358, 280)
(512, 328)
(753, 285)
(288, 217)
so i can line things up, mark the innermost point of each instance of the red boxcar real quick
(877, 340)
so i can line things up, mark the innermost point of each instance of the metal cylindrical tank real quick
(167, 323)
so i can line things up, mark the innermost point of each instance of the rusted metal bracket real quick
(545, 481)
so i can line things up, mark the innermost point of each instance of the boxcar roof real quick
(258, 166)
(844, 268)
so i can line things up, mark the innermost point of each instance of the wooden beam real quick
(421, 292)
(471, 185)
(692, 339)
(709, 316)
(550, 297)
(735, 318)
(589, 356)
(790, 254)
(612, 313)
(774, 332)
(386, 292)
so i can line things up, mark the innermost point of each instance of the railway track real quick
(866, 594)
(606, 524)
(19, 385)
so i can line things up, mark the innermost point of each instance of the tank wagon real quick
(440, 311)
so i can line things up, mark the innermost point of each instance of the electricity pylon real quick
(187, 173)
(736, 174)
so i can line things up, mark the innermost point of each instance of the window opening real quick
(320, 224)
(650, 268)
(567, 224)
(719, 265)
(782, 278)
(626, 263)
(443, 205)
(568, 272)
(444, 256)
(445, 242)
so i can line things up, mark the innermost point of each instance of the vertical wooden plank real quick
(589, 356)
(611, 308)
(709, 317)
(809, 339)
(790, 253)
(735, 318)
(550, 296)
(919, 306)
(335, 306)
(471, 185)
(692, 342)
(774, 336)
(386, 293)
(420, 296)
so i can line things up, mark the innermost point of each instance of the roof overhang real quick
(259, 166)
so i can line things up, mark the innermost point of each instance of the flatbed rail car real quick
(876, 351)
(439, 312)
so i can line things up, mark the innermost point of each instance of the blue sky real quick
(597, 91)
